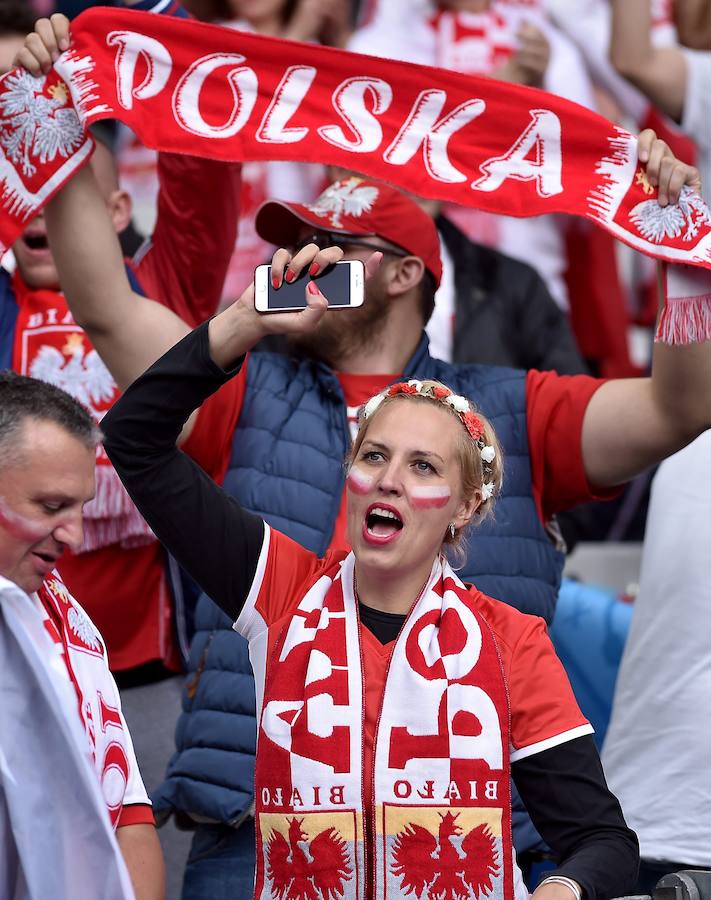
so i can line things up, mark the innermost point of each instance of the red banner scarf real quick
(441, 773)
(205, 90)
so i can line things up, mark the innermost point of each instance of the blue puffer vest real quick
(288, 466)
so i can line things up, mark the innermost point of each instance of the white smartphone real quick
(342, 283)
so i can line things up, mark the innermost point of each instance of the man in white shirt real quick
(47, 459)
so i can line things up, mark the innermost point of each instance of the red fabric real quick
(297, 646)
(477, 142)
(542, 702)
(126, 594)
(137, 814)
(358, 207)
(555, 408)
(598, 309)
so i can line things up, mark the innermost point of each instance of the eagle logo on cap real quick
(345, 198)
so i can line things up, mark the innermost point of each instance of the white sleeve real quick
(135, 789)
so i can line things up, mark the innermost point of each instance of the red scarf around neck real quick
(201, 89)
(438, 823)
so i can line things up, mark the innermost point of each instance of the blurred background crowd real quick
(543, 293)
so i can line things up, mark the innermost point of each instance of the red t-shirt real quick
(544, 712)
(125, 591)
(555, 408)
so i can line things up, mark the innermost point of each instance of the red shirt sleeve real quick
(210, 441)
(284, 572)
(136, 814)
(555, 408)
(185, 262)
(544, 711)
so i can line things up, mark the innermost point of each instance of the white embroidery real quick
(82, 628)
(345, 198)
(85, 377)
(656, 222)
(37, 126)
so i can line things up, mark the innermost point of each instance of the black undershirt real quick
(384, 625)
(218, 543)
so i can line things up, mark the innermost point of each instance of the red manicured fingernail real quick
(312, 288)
(290, 276)
(275, 281)
(314, 268)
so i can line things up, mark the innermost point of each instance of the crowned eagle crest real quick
(83, 376)
(300, 869)
(345, 198)
(683, 219)
(449, 866)
(36, 126)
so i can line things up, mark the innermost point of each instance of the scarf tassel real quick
(111, 518)
(685, 320)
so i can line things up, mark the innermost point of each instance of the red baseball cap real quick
(359, 208)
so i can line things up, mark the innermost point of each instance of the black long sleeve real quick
(212, 537)
(566, 795)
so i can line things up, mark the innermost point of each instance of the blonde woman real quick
(395, 700)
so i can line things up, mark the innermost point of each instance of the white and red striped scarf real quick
(84, 659)
(440, 766)
(194, 88)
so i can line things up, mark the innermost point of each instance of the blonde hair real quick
(473, 469)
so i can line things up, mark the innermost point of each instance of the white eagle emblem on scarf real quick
(82, 628)
(345, 199)
(39, 126)
(684, 219)
(83, 376)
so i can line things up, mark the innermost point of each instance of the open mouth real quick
(35, 241)
(382, 523)
(47, 558)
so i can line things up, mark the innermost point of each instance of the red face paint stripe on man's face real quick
(359, 482)
(20, 526)
(430, 497)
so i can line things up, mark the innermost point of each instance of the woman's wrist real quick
(572, 888)
(233, 333)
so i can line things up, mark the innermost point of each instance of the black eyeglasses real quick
(326, 239)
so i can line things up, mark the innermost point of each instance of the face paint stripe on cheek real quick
(359, 482)
(431, 497)
(19, 526)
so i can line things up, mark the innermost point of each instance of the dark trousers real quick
(651, 870)
(221, 863)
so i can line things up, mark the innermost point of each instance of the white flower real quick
(487, 490)
(372, 405)
(416, 384)
(488, 454)
(461, 404)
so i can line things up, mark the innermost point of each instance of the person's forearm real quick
(564, 791)
(631, 38)
(209, 534)
(681, 382)
(659, 72)
(87, 254)
(233, 334)
(143, 856)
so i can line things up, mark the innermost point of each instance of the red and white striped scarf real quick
(440, 767)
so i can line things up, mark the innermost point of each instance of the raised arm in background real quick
(632, 424)
(659, 72)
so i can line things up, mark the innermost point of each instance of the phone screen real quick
(334, 283)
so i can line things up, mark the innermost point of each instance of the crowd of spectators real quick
(549, 296)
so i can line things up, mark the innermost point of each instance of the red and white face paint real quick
(19, 526)
(359, 482)
(430, 497)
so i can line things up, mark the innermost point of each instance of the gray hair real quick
(23, 399)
